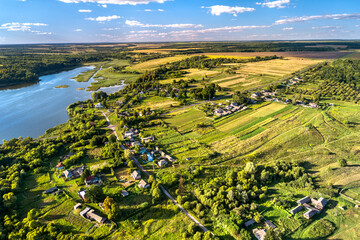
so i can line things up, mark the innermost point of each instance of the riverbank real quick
(31, 110)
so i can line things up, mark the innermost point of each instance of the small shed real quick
(51, 190)
(124, 193)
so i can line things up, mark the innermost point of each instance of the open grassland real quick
(159, 222)
(149, 65)
(84, 77)
(158, 103)
(302, 54)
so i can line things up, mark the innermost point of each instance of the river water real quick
(31, 110)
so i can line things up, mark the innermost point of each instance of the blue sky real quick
(64, 21)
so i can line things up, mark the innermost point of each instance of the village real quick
(135, 144)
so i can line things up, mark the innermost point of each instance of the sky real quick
(87, 21)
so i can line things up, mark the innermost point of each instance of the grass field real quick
(84, 77)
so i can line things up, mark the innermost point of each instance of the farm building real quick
(51, 190)
(304, 200)
(321, 203)
(78, 205)
(143, 184)
(136, 175)
(309, 214)
(83, 212)
(249, 223)
(259, 233)
(296, 209)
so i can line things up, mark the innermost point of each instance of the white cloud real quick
(104, 6)
(85, 10)
(133, 23)
(288, 29)
(150, 10)
(15, 26)
(78, 30)
(220, 9)
(119, 2)
(104, 18)
(111, 29)
(144, 31)
(326, 27)
(317, 17)
(274, 4)
(231, 29)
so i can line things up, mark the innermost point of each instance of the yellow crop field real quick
(264, 72)
(156, 62)
(278, 67)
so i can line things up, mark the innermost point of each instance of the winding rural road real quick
(113, 128)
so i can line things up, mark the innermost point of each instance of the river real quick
(31, 110)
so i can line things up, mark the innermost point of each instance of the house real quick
(304, 200)
(78, 205)
(313, 105)
(162, 163)
(255, 95)
(136, 143)
(218, 111)
(143, 184)
(60, 166)
(249, 223)
(99, 105)
(321, 203)
(309, 214)
(296, 209)
(84, 212)
(124, 193)
(67, 174)
(259, 233)
(136, 175)
(148, 139)
(91, 180)
(168, 157)
(50, 190)
(269, 224)
(82, 194)
(77, 172)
